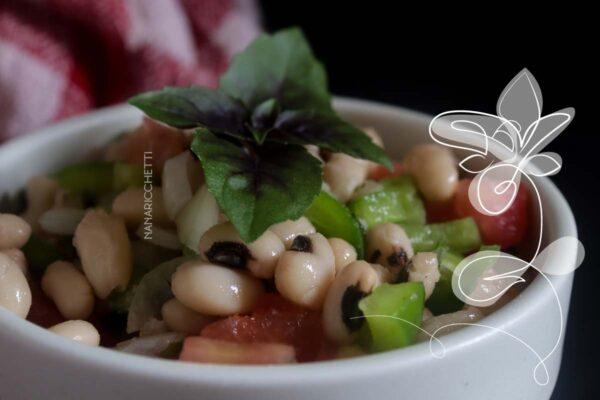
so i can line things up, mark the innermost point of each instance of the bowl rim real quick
(510, 314)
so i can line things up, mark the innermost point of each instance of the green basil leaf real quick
(328, 131)
(280, 66)
(258, 188)
(263, 118)
(151, 293)
(192, 107)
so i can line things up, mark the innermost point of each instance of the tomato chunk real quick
(200, 349)
(506, 229)
(380, 172)
(275, 320)
(440, 211)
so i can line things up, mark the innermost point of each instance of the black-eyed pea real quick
(264, 252)
(341, 316)
(18, 257)
(215, 290)
(434, 169)
(104, 249)
(423, 267)
(344, 174)
(343, 252)
(386, 275)
(389, 245)
(305, 272)
(69, 290)
(15, 294)
(79, 331)
(14, 231)
(288, 230)
(180, 318)
(222, 245)
(134, 204)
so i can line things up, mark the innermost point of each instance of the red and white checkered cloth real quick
(63, 57)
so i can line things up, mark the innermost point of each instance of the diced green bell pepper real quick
(94, 178)
(443, 300)
(98, 177)
(146, 257)
(397, 202)
(460, 236)
(333, 219)
(127, 175)
(393, 313)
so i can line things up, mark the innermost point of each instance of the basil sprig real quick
(272, 100)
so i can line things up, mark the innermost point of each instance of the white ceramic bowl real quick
(479, 363)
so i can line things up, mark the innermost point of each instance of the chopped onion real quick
(61, 221)
(180, 178)
(159, 237)
(150, 345)
(153, 327)
(198, 216)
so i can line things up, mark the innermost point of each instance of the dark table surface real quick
(435, 60)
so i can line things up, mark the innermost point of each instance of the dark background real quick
(435, 60)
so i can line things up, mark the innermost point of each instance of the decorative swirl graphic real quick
(501, 150)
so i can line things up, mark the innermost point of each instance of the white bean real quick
(424, 268)
(19, 257)
(79, 331)
(179, 318)
(343, 252)
(214, 290)
(134, 205)
(288, 230)
(15, 294)
(180, 179)
(303, 276)
(434, 169)
(69, 289)
(14, 231)
(104, 248)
